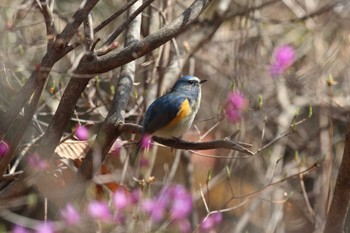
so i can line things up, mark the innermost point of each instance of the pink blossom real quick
(181, 206)
(173, 200)
(45, 227)
(155, 208)
(4, 148)
(116, 147)
(211, 221)
(135, 196)
(144, 161)
(283, 58)
(19, 229)
(184, 226)
(99, 210)
(35, 162)
(235, 106)
(82, 133)
(121, 200)
(146, 141)
(70, 214)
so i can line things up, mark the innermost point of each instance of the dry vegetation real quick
(280, 178)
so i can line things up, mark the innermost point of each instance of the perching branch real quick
(225, 143)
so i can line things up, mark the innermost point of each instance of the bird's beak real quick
(203, 81)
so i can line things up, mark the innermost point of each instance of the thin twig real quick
(149, 43)
(114, 16)
(253, 194)
(12, 176)
(50, 26)
(125, 24)
(291, 130)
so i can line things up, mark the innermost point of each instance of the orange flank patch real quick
(184, 111)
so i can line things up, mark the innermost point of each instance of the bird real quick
(172, 114)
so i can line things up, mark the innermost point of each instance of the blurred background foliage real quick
(231, 45)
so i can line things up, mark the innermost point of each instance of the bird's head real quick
(187, 83)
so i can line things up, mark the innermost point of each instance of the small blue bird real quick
(172, 114)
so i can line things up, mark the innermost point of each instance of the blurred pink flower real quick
(4, 148)
(35, 162)
(283, 58)
(235, 106)
(210, 222)
(181, 206)
(116, 147)
(155, 208)
(173, 200)
(19, 229)
(44, 227)
(99, 210)
(70, 214)
(184, 225)
(144, 161)
(121, 200)
(146, 141)
(82, 133)
(136, 196)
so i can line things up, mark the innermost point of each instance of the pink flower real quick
(144, 161)
(283, 58)
(70, 214)
(19, 229)
(155, 208)
(135, 196)
(173, 200)
(82, 133)
(45, 227)
(4, 148)
(211, 221)
(35, 162)
(181, 206)
(99, 210)
(116, 147)
(121, 200)
(146, 142)
(235, 106)
(184, 226)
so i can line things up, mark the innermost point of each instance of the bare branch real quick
(122, 27)
(253, 194)
(50, 26)
(341, 198)
(107, 134)
(151, 42)
(78, 18)
(88, 32)
(114, 16)
(36, 83)
(225, 143)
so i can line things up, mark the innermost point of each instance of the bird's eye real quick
(191, 82)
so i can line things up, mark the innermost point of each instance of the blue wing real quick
(161, 112)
